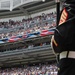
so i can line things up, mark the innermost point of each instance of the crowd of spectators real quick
(27, 26)
(30, 25)
(49, 69)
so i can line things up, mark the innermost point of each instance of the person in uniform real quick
(63, 40)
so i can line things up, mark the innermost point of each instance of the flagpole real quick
(57, 11)
(57, 20)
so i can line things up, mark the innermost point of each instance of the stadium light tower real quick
(57, 11)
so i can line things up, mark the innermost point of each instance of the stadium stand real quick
(40, 25)
(41, 69)
(25, 43)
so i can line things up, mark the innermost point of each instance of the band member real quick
(63, 40)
